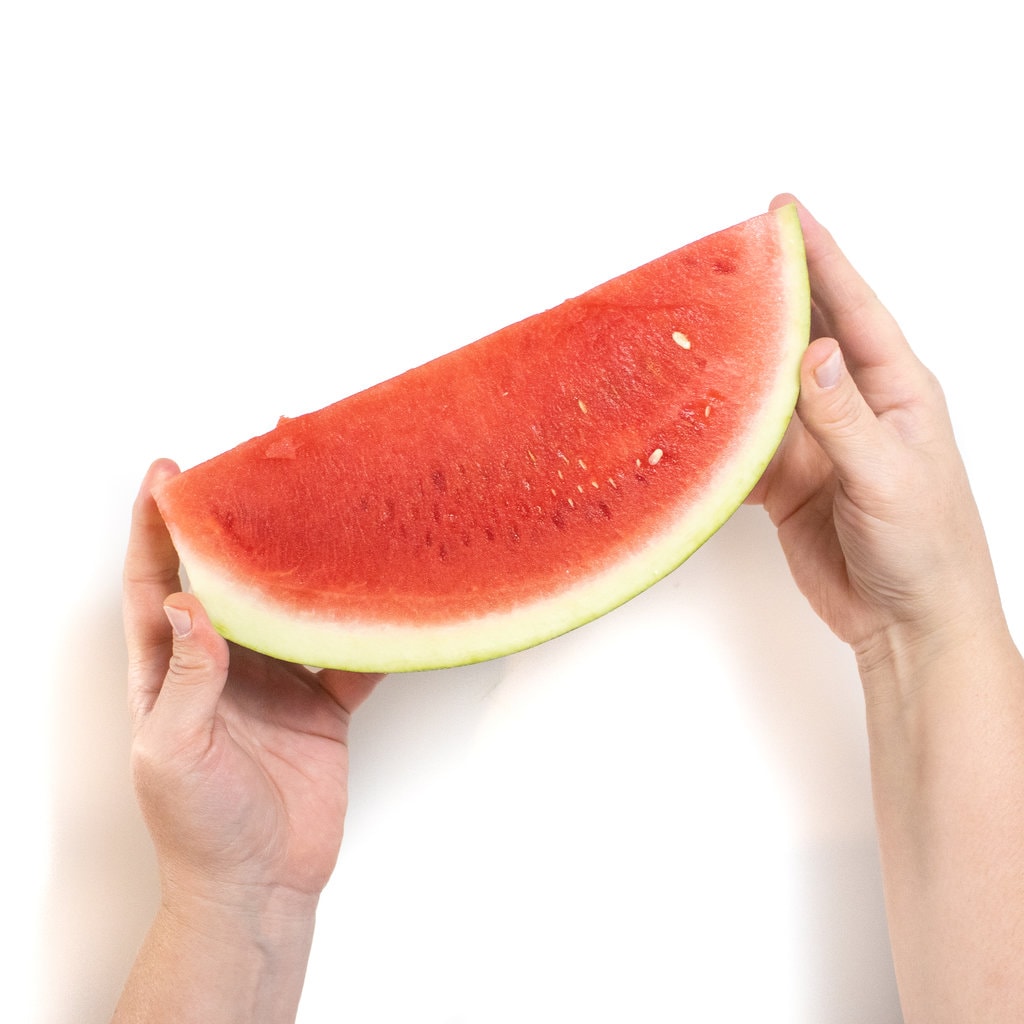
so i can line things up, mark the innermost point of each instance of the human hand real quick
(875, 515)
(240, 761)
(241, 770)
(868, 491)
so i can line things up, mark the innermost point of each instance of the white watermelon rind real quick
(247, 616)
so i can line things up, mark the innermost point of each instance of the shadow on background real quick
(793, 680)
(800, 687)
(102, 889)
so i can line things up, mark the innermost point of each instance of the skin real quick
(875, 514)
(240, 762)
(240, 766)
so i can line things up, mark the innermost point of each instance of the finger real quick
(349, 689)
(835, 414)
(196, 672)
(150, 575)
(870, 336)
(820, 327)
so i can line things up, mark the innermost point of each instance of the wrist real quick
(899, 663)
(270, 918)
(221, 955)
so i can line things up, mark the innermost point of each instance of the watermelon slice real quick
(518, 487)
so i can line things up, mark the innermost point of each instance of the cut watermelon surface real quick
(517, 487)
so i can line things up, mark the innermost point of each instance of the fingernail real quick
(180, 620)
(826, 375)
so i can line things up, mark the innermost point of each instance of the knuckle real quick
(186, 661)
(847, 410)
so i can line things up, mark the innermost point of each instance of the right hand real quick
(868, 490)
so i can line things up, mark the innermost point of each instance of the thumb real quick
(836, 415)
(198, 667)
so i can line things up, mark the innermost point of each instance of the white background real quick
(215, 213)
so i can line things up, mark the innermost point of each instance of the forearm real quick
(946, 730)
(203, 962)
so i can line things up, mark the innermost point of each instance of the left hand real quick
(240, 761)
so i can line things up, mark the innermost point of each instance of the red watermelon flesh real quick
(516, 487)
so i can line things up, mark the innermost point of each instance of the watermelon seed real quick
(572, 504)
(594, 483)
(581, 464)
(612, 482)
(681, 339)
(655, 457)
(707, 410)
(579, 487)
(581, 404)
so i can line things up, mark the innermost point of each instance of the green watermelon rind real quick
(245, 615)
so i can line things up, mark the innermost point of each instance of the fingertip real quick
(823, 364)
(164, 466)
(808, 222)
(783, 199)
(160, 471)
(180, 620)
